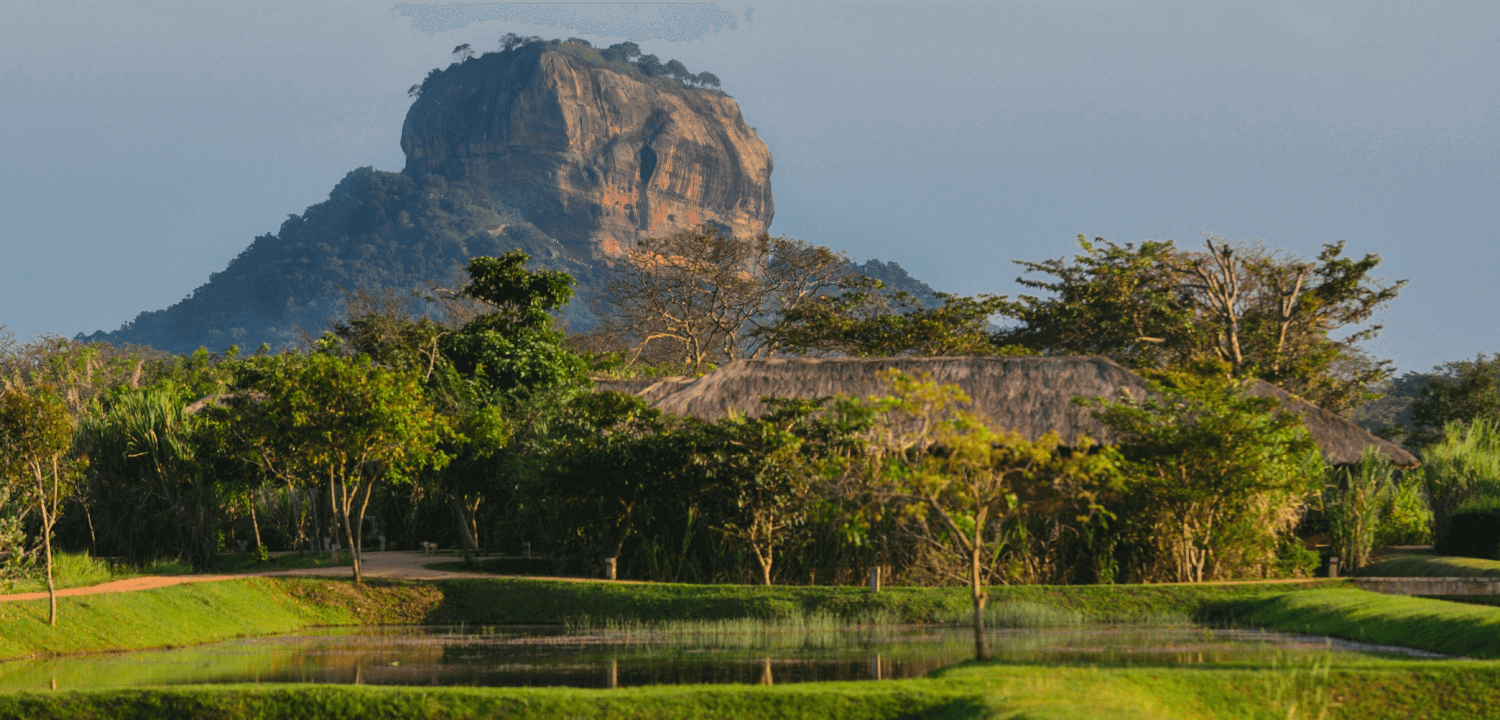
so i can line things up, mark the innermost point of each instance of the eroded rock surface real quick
(591, 156)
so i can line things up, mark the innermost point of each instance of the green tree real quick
(514, 347)
(1464, 465)
(1120, 301)
(1265, 313)
(960, 482)
(760, 475)
(346, 422)
(148, 489)
(1461, 391)
(612, 459)
(1216, 477)
(863, 320)
(36, 436)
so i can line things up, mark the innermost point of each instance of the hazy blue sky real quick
(144, 144)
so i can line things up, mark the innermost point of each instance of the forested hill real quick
(491, 166)
(377, 229)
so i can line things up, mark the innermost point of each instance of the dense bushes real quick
(1474, 531)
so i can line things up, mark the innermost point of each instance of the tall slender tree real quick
(36, 435)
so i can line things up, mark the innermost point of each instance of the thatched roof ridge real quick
(1340, 439)
(1031, 395)
(648, 389)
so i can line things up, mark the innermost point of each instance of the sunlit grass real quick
(1426, 564)
(69, 570)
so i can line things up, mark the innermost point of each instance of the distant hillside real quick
(564, 151)
(377, 229)
(897, 279)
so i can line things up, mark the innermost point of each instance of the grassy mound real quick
(1413, 622)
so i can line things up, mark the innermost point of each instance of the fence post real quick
(875, 579)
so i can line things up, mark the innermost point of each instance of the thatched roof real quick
(1032, 395)
(1341, 440)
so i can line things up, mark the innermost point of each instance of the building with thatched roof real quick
(1032, 395)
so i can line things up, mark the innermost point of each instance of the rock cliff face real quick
(591, 156)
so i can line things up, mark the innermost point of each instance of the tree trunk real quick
(47, 550)
(359, 520)
(465, 519)
(48, 512)
(976, 585)
(93, 539)
(341, 503)
(764, 559)
(255, 523)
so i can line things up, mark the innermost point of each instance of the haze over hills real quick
(568, 152)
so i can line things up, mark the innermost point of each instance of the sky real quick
(144, 144)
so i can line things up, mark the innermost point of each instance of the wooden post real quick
(875, 579)
(609, 568)
(1333, 566)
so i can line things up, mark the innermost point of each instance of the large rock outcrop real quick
(592, 155)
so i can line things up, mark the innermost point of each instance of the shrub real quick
(1464, 466)
(1474, 530)
(1405, 518)
(1352, 500)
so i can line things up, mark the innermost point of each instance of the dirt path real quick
(383, 565)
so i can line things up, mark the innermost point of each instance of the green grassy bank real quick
(1426, 624)
(1417, 563)
(205, 612)
(1395, 690)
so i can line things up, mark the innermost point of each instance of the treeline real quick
(625, 57)
(468, 419)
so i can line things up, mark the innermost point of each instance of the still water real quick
(545, 656)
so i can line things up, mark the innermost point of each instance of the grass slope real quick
(1422, 623)
(172, 616)
(1444, 690)
(1418, 564)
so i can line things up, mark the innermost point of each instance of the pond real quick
(622, 657)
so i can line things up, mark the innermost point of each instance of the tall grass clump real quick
(1353, 497)
(1296, 690)
(69, 570)
(1405, 516)
(1463, 466)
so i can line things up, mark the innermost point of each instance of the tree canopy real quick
(1267, 314)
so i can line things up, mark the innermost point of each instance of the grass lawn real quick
(1420, 563)
(1470, 630)
(1371, 692)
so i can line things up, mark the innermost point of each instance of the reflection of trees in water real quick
(411, 656)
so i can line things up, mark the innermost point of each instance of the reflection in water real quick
(601, 658)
